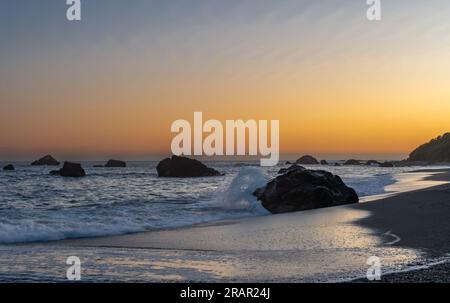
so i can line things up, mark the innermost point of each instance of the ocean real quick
(35, 206)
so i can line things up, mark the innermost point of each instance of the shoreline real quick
(436, 272)
(425, 179)
(321, 245)
(419, 218)
(411, 181)
(421, 215)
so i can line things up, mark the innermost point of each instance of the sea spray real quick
(237, 192)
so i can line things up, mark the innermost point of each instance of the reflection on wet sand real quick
(406, 182)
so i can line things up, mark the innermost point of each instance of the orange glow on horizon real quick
(358, 88)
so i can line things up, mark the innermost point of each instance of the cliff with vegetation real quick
(435, 151)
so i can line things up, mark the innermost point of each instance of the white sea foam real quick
(237, 191)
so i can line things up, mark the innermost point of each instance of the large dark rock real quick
(9, 167)
(435, 151)
(307, 160)
(302, 189)
(352, 162)
(115, 163)
(70, 169)
(182, 167)
(285, 170)
(46, 160)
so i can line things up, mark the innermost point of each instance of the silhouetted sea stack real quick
(435, 151)
(324, 162)
(46, 160)
(302, 189)
(352, 162)
(70, 169)
(181, 167)
(9, 167)
(307, 160)
(116, 163)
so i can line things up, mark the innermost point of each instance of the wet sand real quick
(420, 218)
(332, 244)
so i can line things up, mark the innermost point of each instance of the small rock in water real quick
(352, 162)
(182, 167)
(70, 169)
(46, 160)
(307, 160)
(116, 163)
(9, 167)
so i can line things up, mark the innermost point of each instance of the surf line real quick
(229, 140)
(397, 238)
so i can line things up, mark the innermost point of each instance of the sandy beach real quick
(418, 217)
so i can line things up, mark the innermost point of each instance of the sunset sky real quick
(112, 84)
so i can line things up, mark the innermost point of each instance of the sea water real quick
(35, 206)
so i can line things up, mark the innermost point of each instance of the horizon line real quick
(156, 157)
